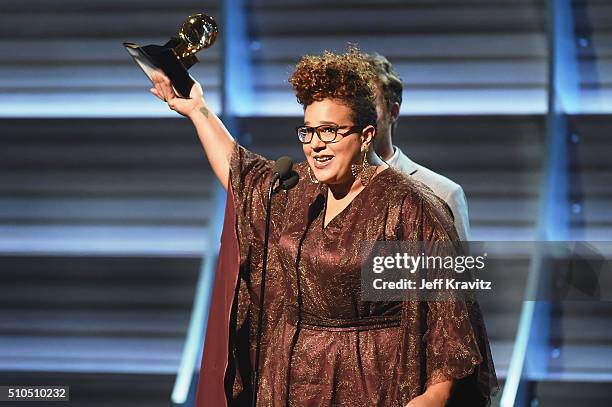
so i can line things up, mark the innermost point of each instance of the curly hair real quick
(388, 78)
(346, 77)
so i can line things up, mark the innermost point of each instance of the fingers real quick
(156, 93)
(171, 103)
(157, 89)
(162, 89)
(163, 86)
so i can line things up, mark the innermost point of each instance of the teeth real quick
(323, 158)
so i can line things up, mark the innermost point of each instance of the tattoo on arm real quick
(204, 111)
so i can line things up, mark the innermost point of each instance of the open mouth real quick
(322, 161)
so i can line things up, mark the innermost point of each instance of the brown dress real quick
(322, 345)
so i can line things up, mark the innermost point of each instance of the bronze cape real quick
(322, 345)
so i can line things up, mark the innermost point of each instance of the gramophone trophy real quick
(175, 57)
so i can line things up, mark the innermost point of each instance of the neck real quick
(384, 146)
(340, 191)
(353, 186)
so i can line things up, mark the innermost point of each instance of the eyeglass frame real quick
(315, 129)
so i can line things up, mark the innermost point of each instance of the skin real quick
(386, 120)
(218, 143)
(348, 150)
(436, 395)
(214, 137)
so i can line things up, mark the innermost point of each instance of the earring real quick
(312, 177)
(365, 172)
(355, 170)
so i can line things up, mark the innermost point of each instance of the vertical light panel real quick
(531, 350)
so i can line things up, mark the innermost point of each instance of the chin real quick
(324, 177)
(331, 174)
(330, 178)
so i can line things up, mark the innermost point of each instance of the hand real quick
(187, 107)
(425, 400)
(436, 395)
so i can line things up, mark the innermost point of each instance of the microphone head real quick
(283, 167)
(289, 182)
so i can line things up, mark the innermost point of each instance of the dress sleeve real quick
(249, 178)
(456, 345)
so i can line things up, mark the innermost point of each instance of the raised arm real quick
(215, 138)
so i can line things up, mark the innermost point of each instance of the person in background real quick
(388, 102)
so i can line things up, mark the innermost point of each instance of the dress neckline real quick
(350, 204)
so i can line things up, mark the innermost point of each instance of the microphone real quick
(283, 172)
(290, 182)
(283, 166)
(287, 179)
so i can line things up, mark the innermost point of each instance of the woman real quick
(322, 345)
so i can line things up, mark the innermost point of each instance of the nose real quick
(316, 144)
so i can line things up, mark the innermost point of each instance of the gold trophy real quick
(174, 58)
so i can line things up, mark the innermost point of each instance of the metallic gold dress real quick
(322, 345)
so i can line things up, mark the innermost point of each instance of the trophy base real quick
(151, 58)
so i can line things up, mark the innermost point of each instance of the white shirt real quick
(447, 190)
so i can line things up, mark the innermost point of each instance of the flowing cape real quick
(211, 387)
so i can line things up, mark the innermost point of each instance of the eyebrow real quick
(322, 122)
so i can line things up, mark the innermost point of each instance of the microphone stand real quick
(271, 191)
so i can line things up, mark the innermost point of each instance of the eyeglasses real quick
(327, 133)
